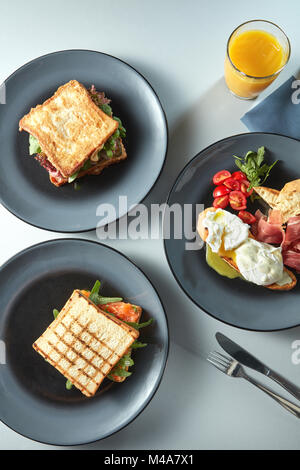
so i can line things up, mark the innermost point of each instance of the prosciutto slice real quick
(268, 229)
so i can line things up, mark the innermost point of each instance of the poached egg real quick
(258, 262)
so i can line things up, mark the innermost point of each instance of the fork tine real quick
(218, 358)
(218, 366)
(227, 358)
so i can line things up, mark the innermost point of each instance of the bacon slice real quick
(55, 175)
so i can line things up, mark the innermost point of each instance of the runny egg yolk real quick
(226, 253)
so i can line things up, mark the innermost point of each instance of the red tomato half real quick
(220, 191)
(221, 176)
(232, 184)
(221, 202)
(237, 200)
(239, 175)
(244, 188)
(247, 217)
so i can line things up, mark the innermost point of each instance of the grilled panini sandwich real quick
(72, 136)
(84, 343)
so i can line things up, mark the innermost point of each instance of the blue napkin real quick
(279, 112)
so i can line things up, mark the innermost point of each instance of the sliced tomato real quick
(247, 217)
(239, 175)
(232, 184)
(220, 190)
(237, 200)
(244, 188)
(221, 202)
(221, 176)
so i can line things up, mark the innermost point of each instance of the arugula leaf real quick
(98, 299)
(138, 326)
(252, 166)
(55, 313)
(105, 108)
(138, 344)
(34, 145)
(73, 177)
(120, 372)
(69, 384)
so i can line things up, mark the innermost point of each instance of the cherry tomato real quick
(237, 200)
(232, 184)
(239, 175)
(247, 217)
(221, 202)
(221, 176)
(220, 191)
(244, 188)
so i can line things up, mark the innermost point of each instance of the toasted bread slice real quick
(96, 169)
(136, 319)
(287, 201)
(69, 126)
(270, 196)
(84, 343)
(203, 232)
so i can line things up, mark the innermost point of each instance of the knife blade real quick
(240, 354)
(244, 357)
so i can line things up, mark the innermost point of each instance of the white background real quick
(179, 47)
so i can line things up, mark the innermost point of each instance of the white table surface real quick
(179, 47)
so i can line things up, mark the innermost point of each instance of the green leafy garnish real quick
(119, 372)
(252, 166)
(73, 177)
(34, 146)
(69, 384)
(55, 313)
(120, 132)
(105, 108)
(138, 326)
(99, 299)
(138, 344)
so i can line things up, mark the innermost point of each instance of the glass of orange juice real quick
(257, 51)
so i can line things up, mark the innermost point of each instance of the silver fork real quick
(233, 368)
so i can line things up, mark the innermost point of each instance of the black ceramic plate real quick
(25, 189)
(33, 398)
(235, 302)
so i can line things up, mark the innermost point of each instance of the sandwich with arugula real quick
(92, 338)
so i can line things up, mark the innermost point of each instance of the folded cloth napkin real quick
(279, 112)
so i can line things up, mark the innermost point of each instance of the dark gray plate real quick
(235, 302)
(33, 398)
(25, 189)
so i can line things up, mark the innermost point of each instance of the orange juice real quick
(254, 59)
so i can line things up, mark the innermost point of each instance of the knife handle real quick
(286, 384)
(288, 405)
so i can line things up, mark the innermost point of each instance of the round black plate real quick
(34, 401)
(235, 302)
(25, 189)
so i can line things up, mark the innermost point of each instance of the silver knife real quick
(245, 358)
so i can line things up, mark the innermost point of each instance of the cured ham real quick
(268, 229)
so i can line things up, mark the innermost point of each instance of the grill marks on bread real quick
(84, 343)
